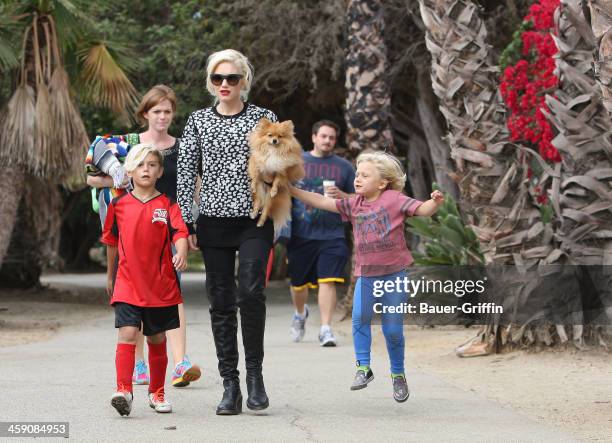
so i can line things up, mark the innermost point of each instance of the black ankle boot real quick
(231, 403)
(257, 399)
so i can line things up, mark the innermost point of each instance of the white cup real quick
(327, 184)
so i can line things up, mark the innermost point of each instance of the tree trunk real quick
(465, 82)
(34, 244)
(419, 164)
(368, 96)
(368, 101)
(11, 190)
(439, 150)
(601, 24)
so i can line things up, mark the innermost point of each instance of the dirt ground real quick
(26, 319)
(566, 388)
(569, 389)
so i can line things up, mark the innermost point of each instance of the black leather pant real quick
(225, 298)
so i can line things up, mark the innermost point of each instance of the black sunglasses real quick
(232, 79)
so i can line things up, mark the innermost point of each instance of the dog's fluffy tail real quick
(280, 212)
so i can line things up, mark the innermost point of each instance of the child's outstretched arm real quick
(180, 258)
(313, 199)
(430, 207)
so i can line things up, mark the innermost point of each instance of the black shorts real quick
(311, 262)
(153, 320)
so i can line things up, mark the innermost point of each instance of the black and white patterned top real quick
(219, 144)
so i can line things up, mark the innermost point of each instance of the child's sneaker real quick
(400, 388)
(141, 373)
(362, 378)
(157, 401)
(184, 373)
(122, 402)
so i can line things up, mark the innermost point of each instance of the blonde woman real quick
(215, 140)
(155, 113)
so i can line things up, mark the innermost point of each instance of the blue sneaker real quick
(141, 373)
(184, 373)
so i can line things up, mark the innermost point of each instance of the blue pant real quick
(392, 324)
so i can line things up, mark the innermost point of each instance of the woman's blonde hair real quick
(389, 167)
(239, 60)
(152, 98)
(137, 155)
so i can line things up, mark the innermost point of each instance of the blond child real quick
(377, 213)
(142, 279)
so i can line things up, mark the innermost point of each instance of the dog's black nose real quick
(275, 141)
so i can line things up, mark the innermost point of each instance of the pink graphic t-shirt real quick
(379, 231)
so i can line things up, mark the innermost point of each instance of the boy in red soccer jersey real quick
(142, 280)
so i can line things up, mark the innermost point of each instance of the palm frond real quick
(8, 56)
(105, 82)
(70, 134)
(43, 159)
(8, 43)
(123, 55)
(71, 19)
(18, 127)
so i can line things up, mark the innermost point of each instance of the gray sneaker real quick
(298, 326)
(362, 379)
(400, 388)
(327, 338)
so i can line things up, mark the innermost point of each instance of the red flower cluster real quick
(524, 84)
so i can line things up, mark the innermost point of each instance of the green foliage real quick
(449, 241)
(513, 52)
(8, 50)
(170, 40)
(546, 212)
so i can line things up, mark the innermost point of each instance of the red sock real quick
(158, 362)
(124, 364)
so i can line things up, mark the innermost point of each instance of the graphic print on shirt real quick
(160, 215)
(315, 174)
(372, 230)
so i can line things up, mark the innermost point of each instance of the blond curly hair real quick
(389, 167)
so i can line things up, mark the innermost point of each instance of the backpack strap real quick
(132, 138)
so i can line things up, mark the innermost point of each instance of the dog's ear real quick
(287, 125)
(264, 123)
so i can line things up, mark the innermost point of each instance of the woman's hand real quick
(193, 242)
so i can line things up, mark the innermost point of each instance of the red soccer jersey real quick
(143, 233)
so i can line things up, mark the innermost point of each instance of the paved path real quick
(71, 378)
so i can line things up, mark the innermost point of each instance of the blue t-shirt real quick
(316, 224)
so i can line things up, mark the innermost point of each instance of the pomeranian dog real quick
(276, 160)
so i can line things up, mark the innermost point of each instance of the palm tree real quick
(580, 112)
(490, 171)
(368, 96)
(601, 24)
(368, 101)
(510, 229)
(42, 135)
